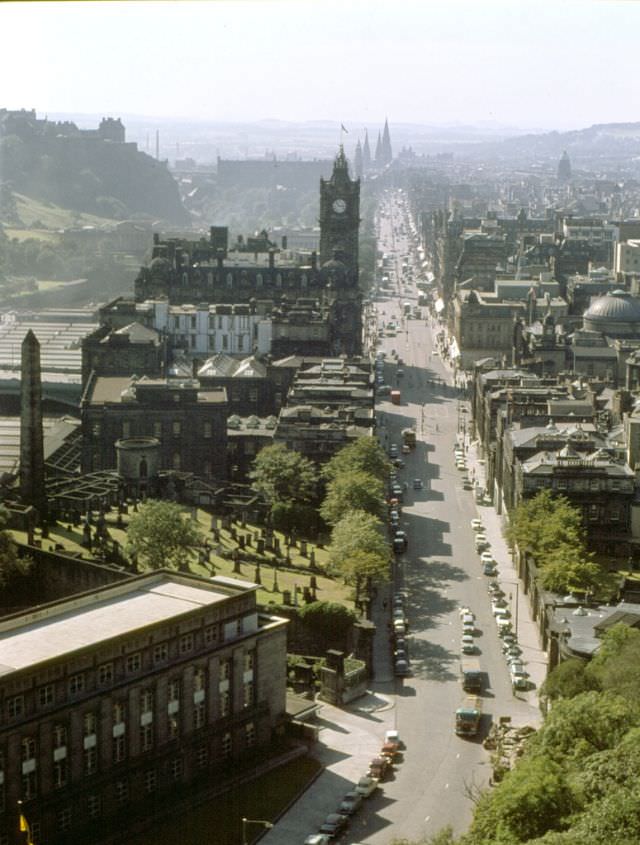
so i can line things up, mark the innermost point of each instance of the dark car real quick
(334, 824)
(417, 484)
(401, 535)
(398, 546)
(350, 803)
(401, 668)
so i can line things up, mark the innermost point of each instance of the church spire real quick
(357, 163)
(366, 152)
(379, 150)
(387, 154)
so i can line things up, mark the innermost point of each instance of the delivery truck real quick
(468, 716)
(471, 674)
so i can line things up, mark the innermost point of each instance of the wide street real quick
(440, 573)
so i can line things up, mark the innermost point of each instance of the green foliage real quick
(287, 517)
(551, 529)
(352, 490)
(566, 680)
(442, 837)
(363, 455)
(11, 565)
(159, 535)
(328, 622)
(616, 666)
(357, 532)
(588, 723)
(282, 475)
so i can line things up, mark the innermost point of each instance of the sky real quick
(551, 64)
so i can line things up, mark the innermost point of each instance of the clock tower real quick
(340, 217)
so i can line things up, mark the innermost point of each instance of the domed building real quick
(616, 315)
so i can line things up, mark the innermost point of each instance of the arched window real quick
(176, 460)
(229, 280)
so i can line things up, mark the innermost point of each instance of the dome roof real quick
(160, 265)
(617, 307)
(334, 266)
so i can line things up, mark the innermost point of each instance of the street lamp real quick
(245, 822)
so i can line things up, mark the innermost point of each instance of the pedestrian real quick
(384, 604)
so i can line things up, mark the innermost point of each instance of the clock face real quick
(339, 206)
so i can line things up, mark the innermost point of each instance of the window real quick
(199, 678)
(253, 394)
(226, 746)
(249, 661)
(28, 749)
(225, 341)
(259, 280)
(126, 429)
(211, 635)
(146, 737)
(59, 736)
(64, 819)
(174, 691)
(94, 806)
(15, 706)
(157, 429)
(247, 693)
(119, 748)
(122, 791)
(96, 429)
(186, 643)
(60, 774)
(225, 670)
(90, 761)
(176, 460)
(250, 734)
(229, 280)
(146, 701)
(193, 321)
(240, 343)
(46, 695)
(176, 428)
(207, 430)
(161, 652)
(175, 768)
(199, 715)
(76, 684)
(150, 781)
(134, 662)
(89, 724)
(119, 712)
(202, 756)
(225, 703)
(105, 673)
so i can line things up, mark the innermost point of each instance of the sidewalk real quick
(350, 737)
(534, 658)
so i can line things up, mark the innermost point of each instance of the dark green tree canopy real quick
(161, 535)
(282, 475)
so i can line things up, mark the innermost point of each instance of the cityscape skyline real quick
(258, 59)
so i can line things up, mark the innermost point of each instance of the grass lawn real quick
(55, 216)
(35, 234)
(219, 820)
(273, 582)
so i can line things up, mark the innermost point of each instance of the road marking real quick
(446, 786)
(426, 818)
(457, 756)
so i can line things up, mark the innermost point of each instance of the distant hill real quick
(84, 172)
(611, 140)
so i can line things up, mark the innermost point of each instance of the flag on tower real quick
(344, 129)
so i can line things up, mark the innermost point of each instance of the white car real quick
(499, 607)
(468, 624)
(487, 557)
(317, 839)
(476, 524)
(519, 677)
(366, 786)
(481, 542)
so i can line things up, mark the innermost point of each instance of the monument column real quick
(32, 489)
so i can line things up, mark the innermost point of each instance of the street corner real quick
(371, 702)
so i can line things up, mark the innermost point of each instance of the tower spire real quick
(32, 472)
(379, 150)
(366, 153)
(387, 154)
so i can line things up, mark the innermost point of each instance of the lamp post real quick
(245, 822)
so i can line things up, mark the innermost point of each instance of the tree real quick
(352, 490)
(328, 622)
(357, 532)
(282, 475)
(567, 680)
(567, 568)
(363, 455)
(159, 535)
(532, 799)
(11, 565)
(364, 567)
(616, 666)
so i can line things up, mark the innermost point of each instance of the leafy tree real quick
(616, 666)
(352, 490)
(363, 455)
(328, 622)
(442, 837)
(364, 567)
(159, 535)
(567, 680)
(11, 565)
(283, 475)
(578, 727)
(532, 799)
(287, 517)
(568, 567)
(357, 532)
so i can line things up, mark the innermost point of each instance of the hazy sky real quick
(542, 63)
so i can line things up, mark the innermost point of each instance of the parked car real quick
(519, 677)
(317, 839)
(405, 449)
(401, 668)
(334, 825)
(366, 786)
(487, 557)
(468, 624)
(399, 627)
(417, 484)
(393, 451)
(398, 462)
(489, 569)
(379, 768)
(401, 535)
(481, 542)
(468, 644)
(393, 735)
(467, 484)
(350, 803)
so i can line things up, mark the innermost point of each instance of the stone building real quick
(134, 348)
(119, 701)
(189, 422)
(484, 326)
